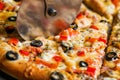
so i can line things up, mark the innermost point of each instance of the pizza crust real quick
(20, 68)
(23, 69)
(99, 7)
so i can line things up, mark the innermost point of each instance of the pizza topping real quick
(110, 56)
(13, 41)
(115, 2)
(83, 64)
(102, 40)
(103, 21)
(36, 43)
(67, 34)
(10, 29)
(92, 40)
(35, 50)
(17, 0)
(2, 5)
(74, 26)
(66, 46)
(43, 62)
(57, 58)
(64, 35)
(91, 71)
(89, 41)
(23, 52)
(94, 27)
(80, 15)
(10, 55)
(56, 76)
(72, 32)
(81, 53)
(83, 22)
(52, 12)
(12, 18)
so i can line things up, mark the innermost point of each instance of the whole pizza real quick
(89, 49)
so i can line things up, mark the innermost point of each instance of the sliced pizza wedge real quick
(105, 8)
(111, 65)
(8, 14)
(8, 8)
(28, 60)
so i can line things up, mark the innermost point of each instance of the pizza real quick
(8, 14)
(74, 53)
(83, 51)
(111, 65)
(106, 8)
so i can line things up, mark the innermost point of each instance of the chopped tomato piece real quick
(94, 27)
(50, 65)
(91, 71)
(35, 49)
(80, 15)
(57, 58)
(92, 40)
(2, 5)
(64, 35)
(115, 2)
(39, 50)
(90, 61)
(81, 53)
(102, 40)
(77, 71)
(23, 52)
(32, 49)
(72, 32)
(13, 41)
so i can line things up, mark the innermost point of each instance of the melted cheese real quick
(107, 78)
(84, 22)
(48, 55)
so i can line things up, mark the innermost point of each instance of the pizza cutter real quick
(45, 17)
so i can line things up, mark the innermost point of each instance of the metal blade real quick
(45, 17)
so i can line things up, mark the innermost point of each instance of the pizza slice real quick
(10, 5)
(111, 66)
(74, 54)
(8, 14)
(90, 42)
(105, 8)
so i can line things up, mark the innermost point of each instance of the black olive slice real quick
(110, 56)
(10, 29)
(51, 12)
(12, 18)
(56, 76)
(36, 43)
(11, 55)
(74, 26)
(66, 46)
(103, 21)
(17, 0)
(83, 64)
